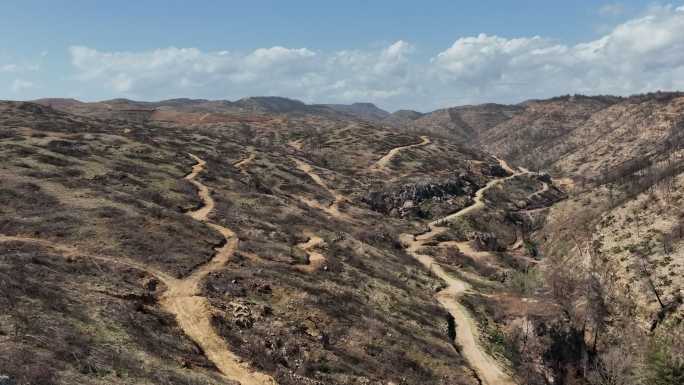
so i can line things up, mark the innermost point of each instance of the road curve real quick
(488, 370)
(382, 163)
(193, 311)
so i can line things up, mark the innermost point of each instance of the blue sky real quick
(398, 54)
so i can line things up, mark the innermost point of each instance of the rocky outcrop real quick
(444, 195)
(486, 241)
(406, 199)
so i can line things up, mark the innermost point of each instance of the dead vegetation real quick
(116, 188)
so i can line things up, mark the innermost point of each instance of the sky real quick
(397, 54)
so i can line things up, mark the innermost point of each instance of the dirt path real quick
(72, 252)
(508, 168)
(479, 197)
(384, 161)
(545, 188)
(488, 370)
(298, 144)
(518, 241)
(182, 297)
(334, 208)
(193, 312)
(245, 162)
(316, 259)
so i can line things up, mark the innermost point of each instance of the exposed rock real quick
(487, 241)
(406, 199)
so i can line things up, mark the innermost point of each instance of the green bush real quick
(664, 360)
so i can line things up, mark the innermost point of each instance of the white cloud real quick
(643, 54)
(295, 72)
(640, 55)
(20, 85)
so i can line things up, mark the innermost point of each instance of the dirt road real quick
(488, 370)
(241, 164)
(334, 208)
(182, 297)
(193, 311)
(384, 161)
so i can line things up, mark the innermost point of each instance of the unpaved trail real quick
(245, 162)
(488, 370)
(518, 241)
(316, 259)
(384, 161)
(193, 311)
(202, 213)
(73, 252)
(506, 167)
(479, 196)
(298, 144)
(334, 208)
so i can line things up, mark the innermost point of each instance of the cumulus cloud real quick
(640, 55)
(643, 54)
(295, 72)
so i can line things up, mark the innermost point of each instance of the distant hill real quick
(465, 122)
(190, 110)
(402, 118)
(365, 111)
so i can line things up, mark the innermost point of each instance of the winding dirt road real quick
(488, 370)
(182, 297)
(479, 196)
(241, 164)
(72, 252)
(384, 161)
(334, 208)
(193, 312)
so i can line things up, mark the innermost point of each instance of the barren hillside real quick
(269, 241)
(602, 289)
(262, 248)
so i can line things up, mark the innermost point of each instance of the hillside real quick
(402, 118)
(269, 241)
(188, 111)
(261, 247)
(364, 111)
(563, 133)
(610, 258)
